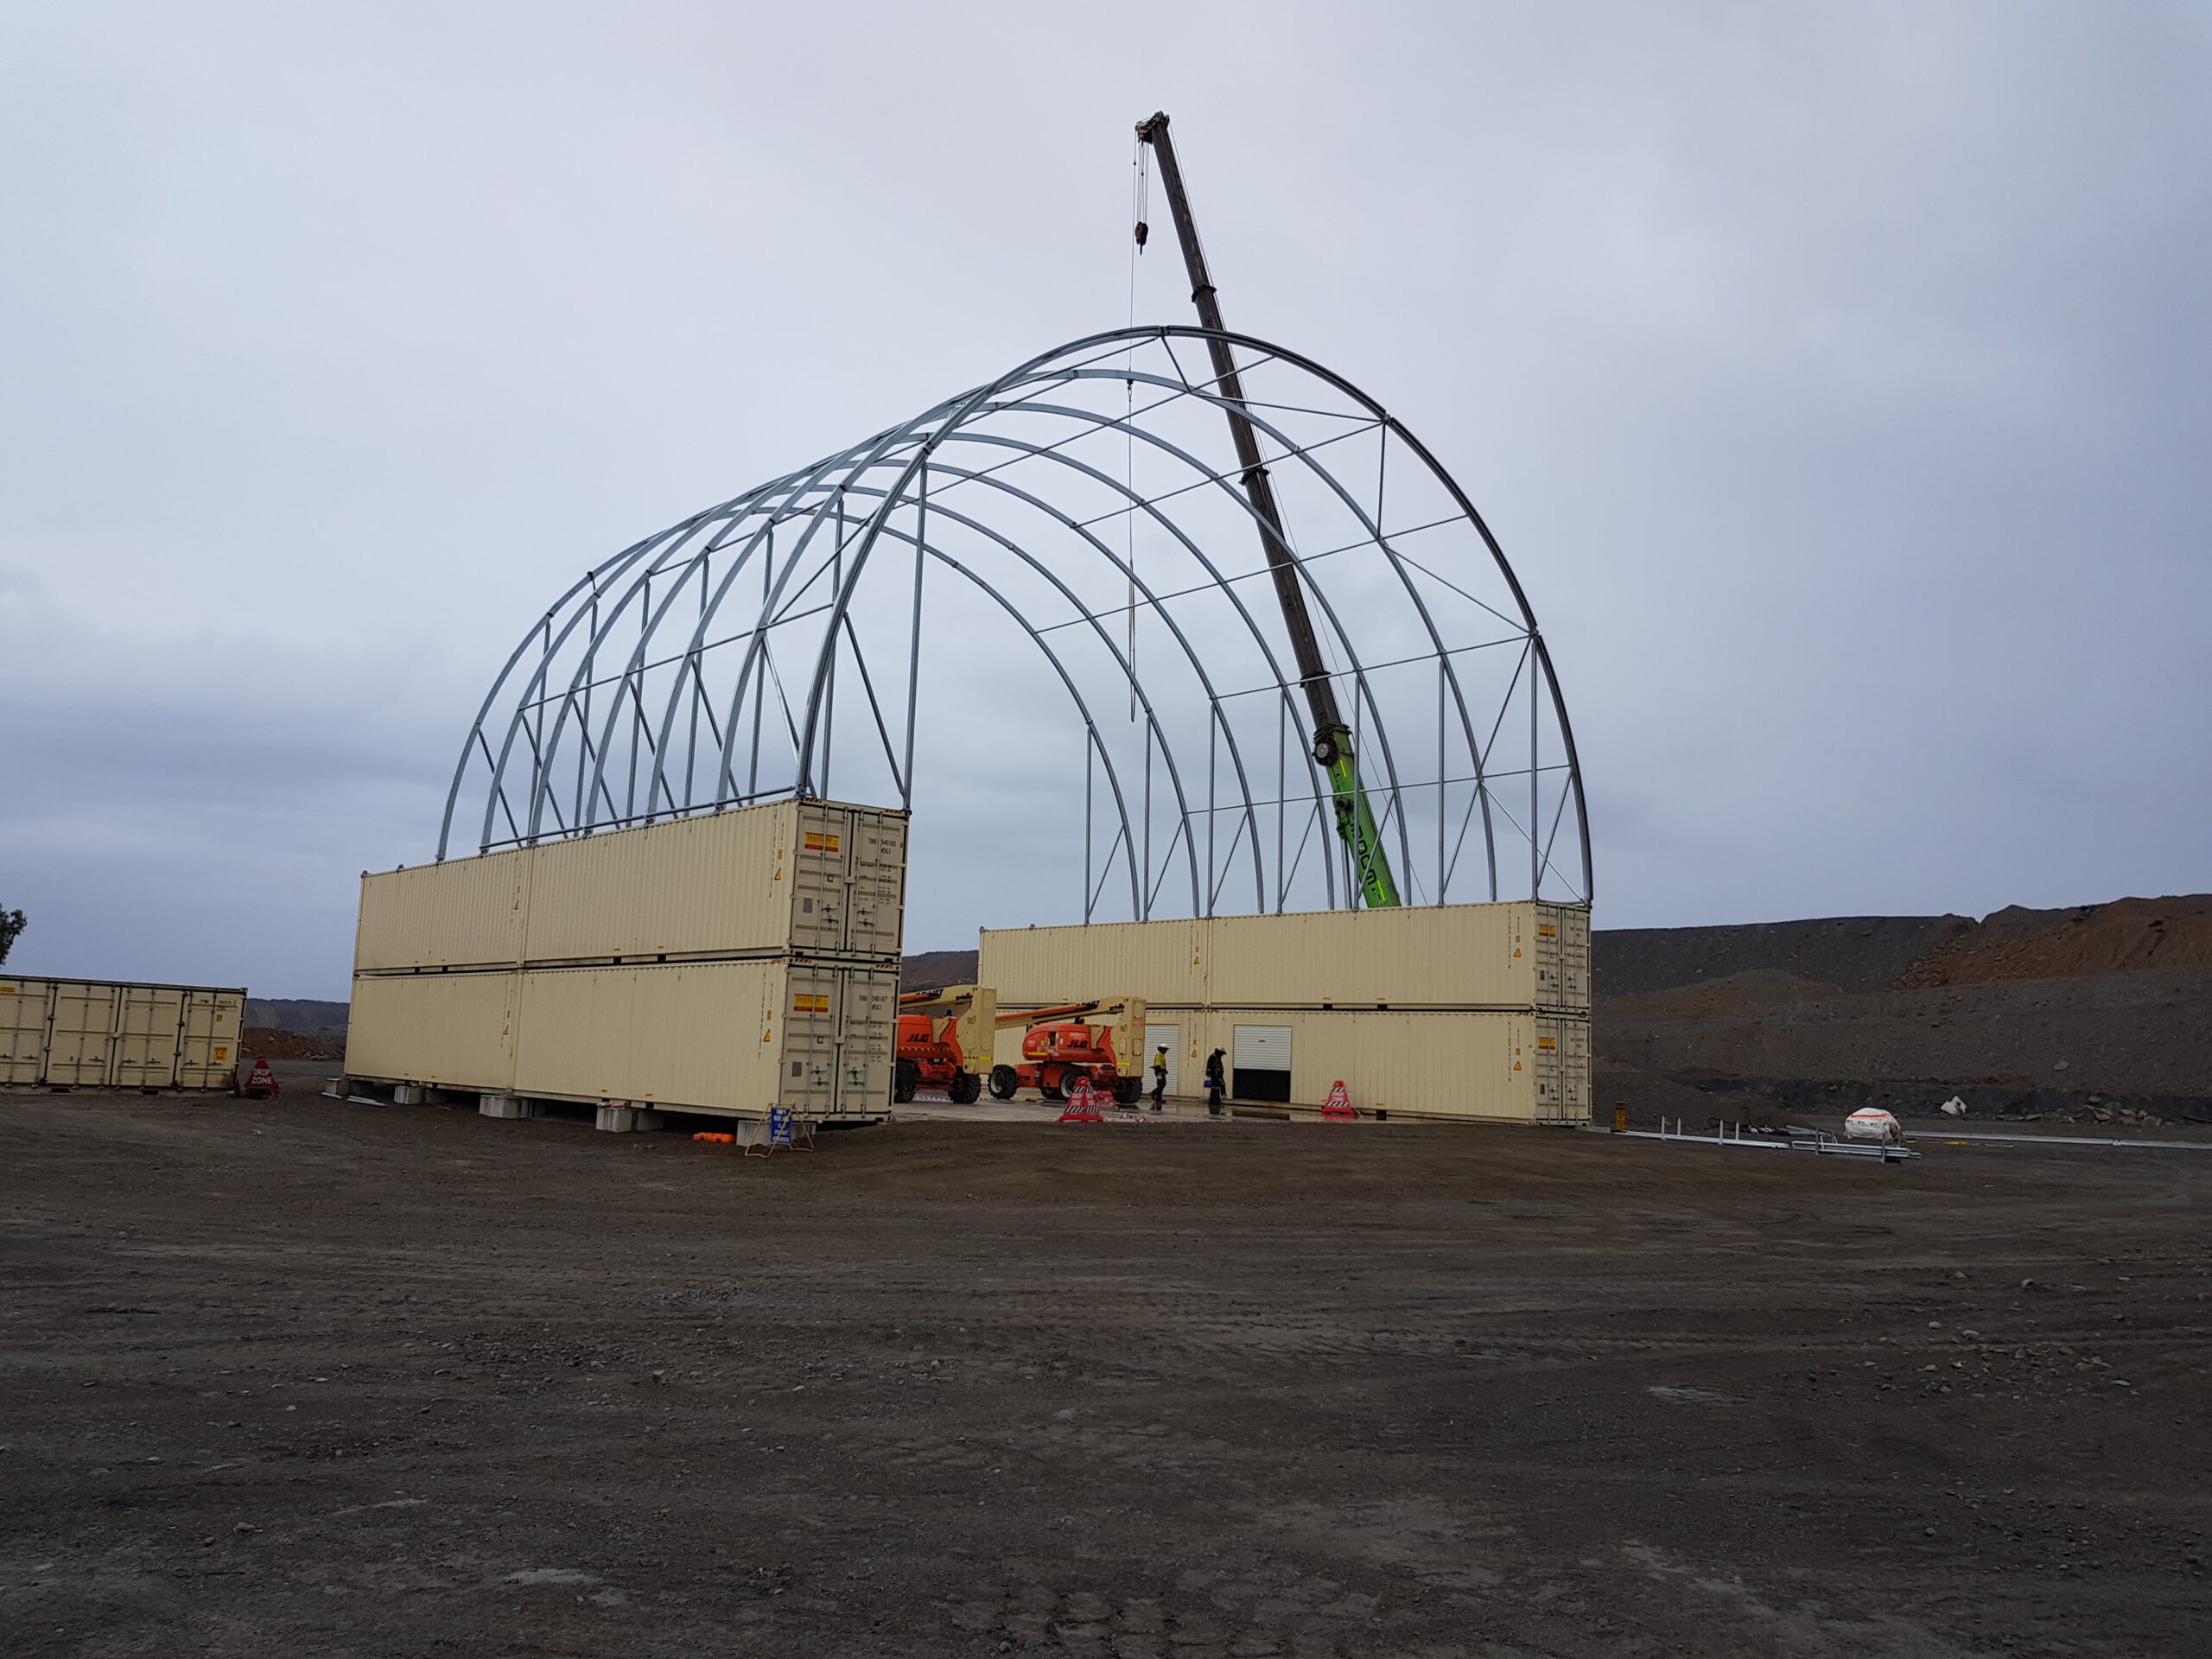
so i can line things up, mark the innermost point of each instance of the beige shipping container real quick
(24, 1006)
(466, 912)
(1514, 955)
(1511, 1066)
(454, 1030)
(80, 1039)
(148, 1025)
(734, 1037)
(207, 1046)
(813, 877)
(105, 1034)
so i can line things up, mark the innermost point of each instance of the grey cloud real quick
(1836, 379)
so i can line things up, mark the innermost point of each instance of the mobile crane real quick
(1332, 743)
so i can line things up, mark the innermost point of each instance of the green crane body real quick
(1333, 744)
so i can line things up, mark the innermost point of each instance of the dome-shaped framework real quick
(785, 642)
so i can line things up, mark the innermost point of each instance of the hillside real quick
(2091, 1011)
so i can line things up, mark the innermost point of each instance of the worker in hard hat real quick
(1159, 1075)
(1217, 1085)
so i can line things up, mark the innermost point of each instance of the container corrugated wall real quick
(466, 912)
(734, 1037)
(693, 885)
(815, 877)
(453, 1030)
(1512, 954)
(110, 1035)
(24, 1005)
(1517, 1066)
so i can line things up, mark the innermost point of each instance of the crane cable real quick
(1140, 192)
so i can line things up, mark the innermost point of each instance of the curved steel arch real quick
(1117, 541)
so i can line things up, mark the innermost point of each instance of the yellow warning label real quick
(809, 1002)
(7, 990)
(1547, 931)
(819, 842)
(221, 1053)
(1546, 1042)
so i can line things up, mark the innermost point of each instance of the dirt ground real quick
(308, 1378)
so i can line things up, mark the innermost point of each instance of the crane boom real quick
(1333, 744)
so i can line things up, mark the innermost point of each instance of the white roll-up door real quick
(1261, 1058)
(1263, 1048)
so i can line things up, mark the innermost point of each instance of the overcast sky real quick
(1835, 377)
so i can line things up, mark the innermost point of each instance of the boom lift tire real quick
(964, 1088)
(1049, 1085)
(1127, 1089)
(905, 1078)
(1003, 1082)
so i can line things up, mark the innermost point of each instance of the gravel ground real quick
(308, 1378)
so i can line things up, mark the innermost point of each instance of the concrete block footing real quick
(625, 1120)
(506, 1106)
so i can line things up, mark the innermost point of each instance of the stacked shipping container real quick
(725, 963)
(99, 1034)
(1446, 1011)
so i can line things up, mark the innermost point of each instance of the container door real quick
(149, 1019)
(82, 1034)
(1157, 1037)
(25, 1005)
(869, 1004)
(207, 1053)
(1550, 958)
(818, 881)
(875, 909)
(1574, 1070)
(1546, 1067)
(1574, 957)
(1260, 1059)
(810, 1013)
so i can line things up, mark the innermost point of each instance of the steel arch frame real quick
(905, 481)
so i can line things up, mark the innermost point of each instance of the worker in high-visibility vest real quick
(1159, 1075)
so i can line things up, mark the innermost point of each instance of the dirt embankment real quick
(267, 1043)
(932, 971)
(2098, 1012)
(2129, 936)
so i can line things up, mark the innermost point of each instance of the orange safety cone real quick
(1338, 1109)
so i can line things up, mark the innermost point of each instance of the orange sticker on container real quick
(805, 1002)
(817, 842)
(1546, 1042)
(1547, 931)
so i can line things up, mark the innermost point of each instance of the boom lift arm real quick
(1333, 748)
